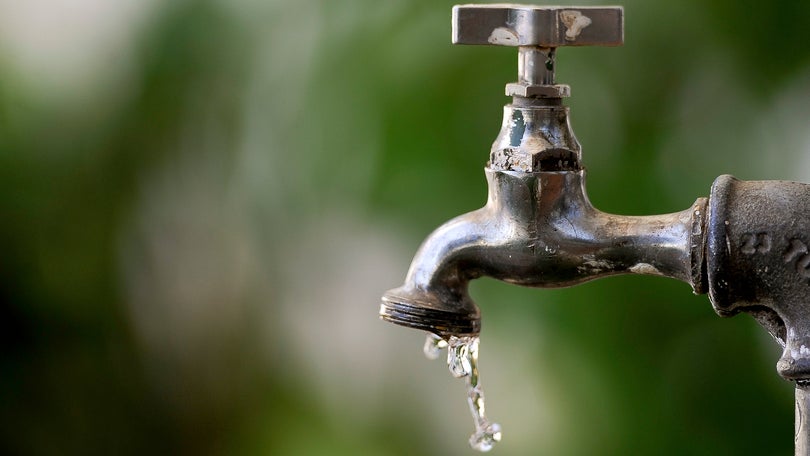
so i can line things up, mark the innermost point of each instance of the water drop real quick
(433, 346)
(484, 439)
(462, 361)
(459, 355)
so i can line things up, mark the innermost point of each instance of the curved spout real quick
(537, 230)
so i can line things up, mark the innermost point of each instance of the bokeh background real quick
(202, 201)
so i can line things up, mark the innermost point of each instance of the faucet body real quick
(538, 229)
(747, 244)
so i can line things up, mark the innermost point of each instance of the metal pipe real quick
(536, 65)
(802, 437)
(748, 247)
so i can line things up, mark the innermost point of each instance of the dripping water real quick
(462, 360)
(433, 346)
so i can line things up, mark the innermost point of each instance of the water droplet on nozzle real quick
(433, 346)
(460, 353)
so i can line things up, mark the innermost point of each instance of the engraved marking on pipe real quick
(504, 36)
(797, 248)
(755, 243)
(798, 251)
(574, 23)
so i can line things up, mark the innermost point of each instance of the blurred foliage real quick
(186, 231)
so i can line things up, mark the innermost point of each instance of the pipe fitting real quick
(758, 261)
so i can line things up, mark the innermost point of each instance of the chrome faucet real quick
(747, 245)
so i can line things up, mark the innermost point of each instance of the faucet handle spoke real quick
(537, 31)
(540, 26)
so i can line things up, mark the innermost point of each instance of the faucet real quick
(747, 245)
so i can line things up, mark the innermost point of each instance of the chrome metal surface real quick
(536, 230)
(535, 66)
(535, 138)
(537, 91)
(747, 245)
(542, 26)
(537, 31)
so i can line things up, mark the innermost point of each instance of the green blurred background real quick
(202, 202)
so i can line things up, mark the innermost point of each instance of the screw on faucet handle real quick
(537, 31)
(539, 26)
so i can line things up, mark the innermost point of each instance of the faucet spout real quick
(747, 245)
(537, 229)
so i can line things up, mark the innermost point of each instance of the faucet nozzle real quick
(445, 314)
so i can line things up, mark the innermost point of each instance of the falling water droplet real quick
(433, 346)
(459, 356)
(462, 360)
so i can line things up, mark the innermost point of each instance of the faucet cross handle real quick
(537, 31)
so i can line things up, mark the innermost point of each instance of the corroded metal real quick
(533, 138)
(536, 230)
(758, 261)
(542, 26)
(537, 31)
(748, 245)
